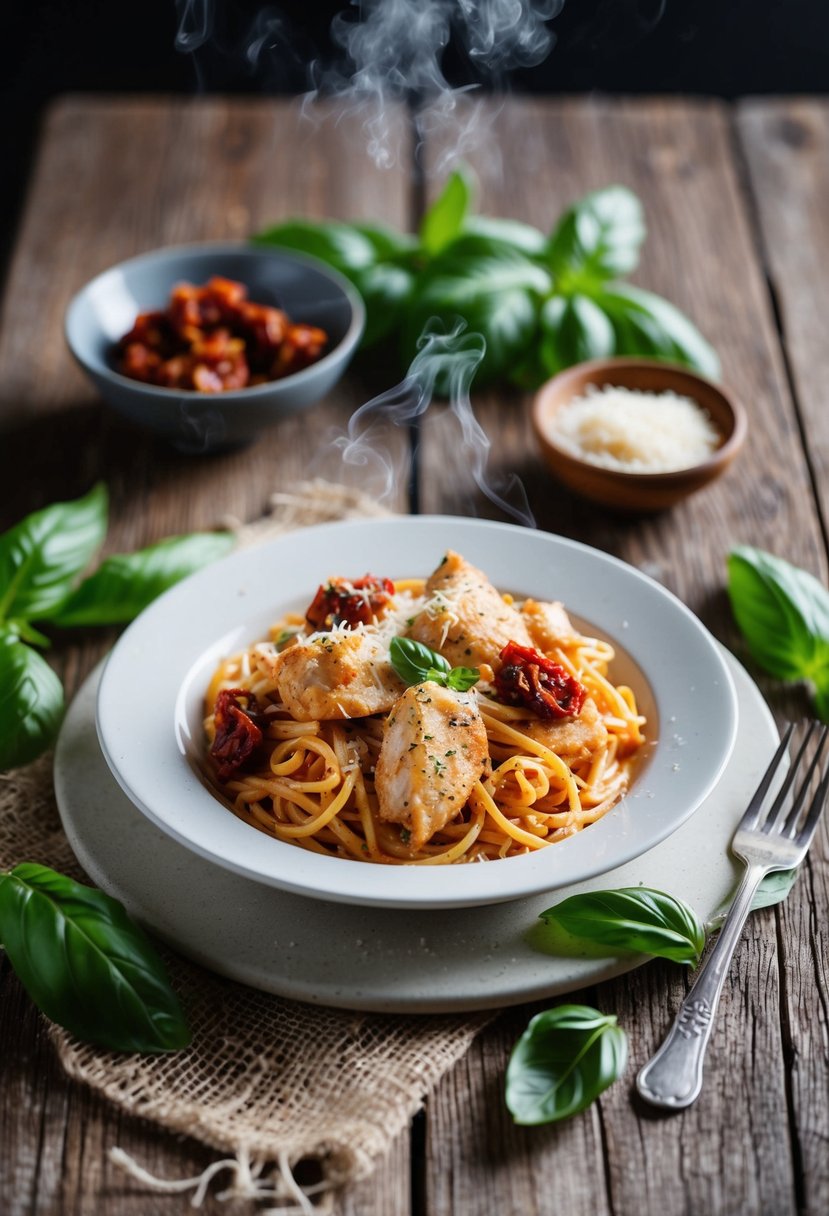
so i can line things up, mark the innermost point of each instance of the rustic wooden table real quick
(738, 230)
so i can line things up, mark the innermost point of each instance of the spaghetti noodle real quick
(312, 782)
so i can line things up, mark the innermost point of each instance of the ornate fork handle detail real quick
(672, 1078)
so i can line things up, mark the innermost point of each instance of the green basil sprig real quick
(42, 562)
(636, 919)
(416, 663)
(541, 301)
(783, 614)
(562, 1062)
(85, 964)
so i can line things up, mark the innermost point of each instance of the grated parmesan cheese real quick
(636, 432)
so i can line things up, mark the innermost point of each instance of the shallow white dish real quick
(150, 701)
(421, 961)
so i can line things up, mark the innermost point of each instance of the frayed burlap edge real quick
(269, 1080)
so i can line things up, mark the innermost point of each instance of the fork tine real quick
(752, 814)
(775, 811)
(810, 823)
(790, 826)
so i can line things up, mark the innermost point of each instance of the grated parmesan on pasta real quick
(636, 432)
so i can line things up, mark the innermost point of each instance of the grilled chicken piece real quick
(465, 618)
(548, 624)
(342, 674)
(434, 750)
(572, 739)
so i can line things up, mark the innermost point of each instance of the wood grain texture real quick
(731, 1152)
(785, 144)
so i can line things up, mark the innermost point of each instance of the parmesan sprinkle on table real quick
(636, 432)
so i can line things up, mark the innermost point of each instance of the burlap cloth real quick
(267, 1080)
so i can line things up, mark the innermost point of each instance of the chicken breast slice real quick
(548, 624)
(465, 618)
(342, 674)
(434, 750)
(575, 739)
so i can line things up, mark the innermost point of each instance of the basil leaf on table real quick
(444, 220)
(645, 324)
(42, 556)
(85, 964)
(31, 703)
(783, 614)
(340, 245)
(492, 287)
(125, 584)
(562, 1062)
(386, 290)
(519, 235)
(573, 328)
(598, 238)
(638, 919)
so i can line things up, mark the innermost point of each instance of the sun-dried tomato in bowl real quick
(213, 338)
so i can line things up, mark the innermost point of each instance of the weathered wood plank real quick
(731, 1151)
(113, 178)
(786, 147)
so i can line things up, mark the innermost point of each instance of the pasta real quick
(313, 780)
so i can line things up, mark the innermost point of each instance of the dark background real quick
(722, 47)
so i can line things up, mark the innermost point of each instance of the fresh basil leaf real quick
(413, 661)
(386, 290)
(492, 287)
(645, 324)
(637, 919)
(564, 1059)
(85, 964)
(462, 678)
(387, 243)
(41, 557)
(31, 703)
(340, 245)
(444, 220)
(573, 329)
(597, 239)
(520, 236)
(125, 584)
(783, 614)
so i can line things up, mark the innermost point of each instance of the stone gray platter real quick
(377, 958)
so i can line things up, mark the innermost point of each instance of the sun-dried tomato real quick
(238, 730)
(530, 679)
(214, 338)
(341, 601)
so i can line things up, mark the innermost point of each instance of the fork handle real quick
(672, 1078)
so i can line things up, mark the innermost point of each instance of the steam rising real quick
(385, 52)
(445, 362)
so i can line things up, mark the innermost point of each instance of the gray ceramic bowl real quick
(310, 292)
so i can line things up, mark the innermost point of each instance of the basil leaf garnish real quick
(125, 584)
(31, 703)
(413, 661)
(562, 1062)
(416, 663)
(42, 556)
(638, 919)
(783, 614)
(85, 964)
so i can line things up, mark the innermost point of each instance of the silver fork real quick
(778, 840)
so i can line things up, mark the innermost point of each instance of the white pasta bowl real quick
(150, 703)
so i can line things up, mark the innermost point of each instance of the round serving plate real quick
(150, 703)
(421, 961)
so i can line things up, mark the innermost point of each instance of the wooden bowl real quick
(636, 491)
